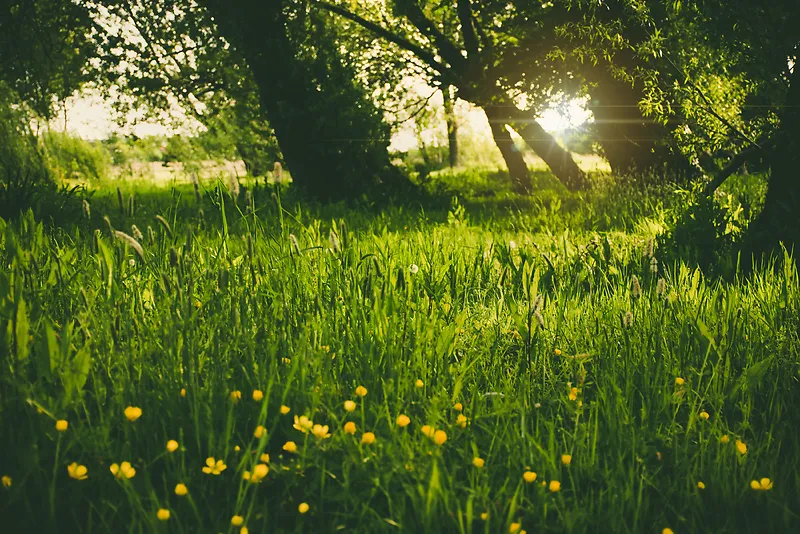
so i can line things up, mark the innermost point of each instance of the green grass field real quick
(498, 365)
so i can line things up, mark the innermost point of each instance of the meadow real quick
(181, 361)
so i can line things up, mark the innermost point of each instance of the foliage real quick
(69, 156)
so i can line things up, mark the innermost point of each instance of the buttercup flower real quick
(259, 473)
(183, 392)
(62, 425)
(458, 407)
(244, 530)
(704, 415)
(403, 420)
(700, 484)
(764, 484)
(259, 432)
(285, 409)
(439, 437)
(290, 446)
(303, 508)
(265, 458)
(349, 406)
(320, 431)
(368, 438)
(419, 383)
(529, 476)
(237, 520)
(667, 531)
(236, 448)
(350, 427)
(557, 352)
(514, 527)
(258, 395)
(181, 490)
(461, 420)
(133, 413)
(724, 439)
(428, 430)
(163, 514)
(484, 516)
(478, 462)
(123, 470)
(555, 486)
(172, 445)
(77, 471)
(679, 381)
(573, 394)
(236, 396)
(303, 424)
(741, 447)
(566, 459)
(361, 391)
(6, 481)
(214, 467)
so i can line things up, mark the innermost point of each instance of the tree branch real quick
(425, 55)
(448, 51)
(467, 29)
(733, 165)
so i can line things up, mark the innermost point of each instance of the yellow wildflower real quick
(6, 481)
(286, 361)
(573, 394)
(123, 470)
(244, 530)
(439, 437)
(349, 406)
(183, 392)
(303, 508)
(667, 531)
(764, 484)
(555, 486)
(237, 520)
(259, 432)
(350, 427)
(258, 395)
(320, 431)
(484, 515)
(529, 476)
(133, 413)
(741, 447)
(458, 407)
(679, 381)
(77, 471)
(704, 415)
(62, 425)
(236, 396)
(514, 528)
(368, 438)
(236, 448)
(172, 445)
(724, 439)
(461, 420)
(557, 352)
(181, 490)
(214, 467)
(566, 459)
(290, 446)
(303, 424)
(419, 384)
(361, 391)
(700, 484)
(265, 458)
(163, 514)
(259, 473)
(478, 462)
(285, 409)
(403, 420)
(428, 430)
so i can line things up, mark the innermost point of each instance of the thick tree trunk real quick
(517, 168)
(557, 158)
(331, 136)
(452, 125)
(632, 143)
(779, 221)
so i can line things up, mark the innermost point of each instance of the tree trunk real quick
(558, 159)
(779, 221)
(517, 168)
(630, 142)
(452, 125)
(332, 137)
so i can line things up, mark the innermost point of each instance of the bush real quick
(71, 157)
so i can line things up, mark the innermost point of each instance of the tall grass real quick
(521, 344)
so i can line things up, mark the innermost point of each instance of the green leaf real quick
(21, 329)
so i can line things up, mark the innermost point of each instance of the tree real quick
(492, 55)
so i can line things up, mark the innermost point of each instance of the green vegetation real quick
(524, 329)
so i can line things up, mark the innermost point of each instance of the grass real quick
(512, 325)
